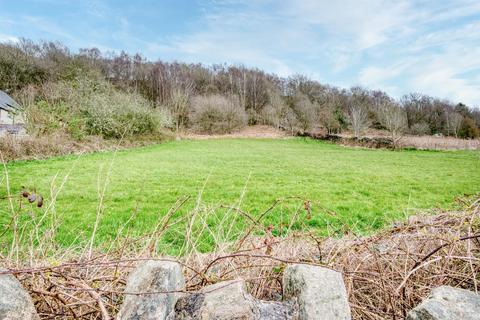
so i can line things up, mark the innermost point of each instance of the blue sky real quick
(428, 46)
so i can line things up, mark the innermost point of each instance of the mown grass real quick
(363, 188)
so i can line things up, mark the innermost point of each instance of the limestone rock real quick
(152, 276)
(319, 292)
(310, 292)
(448, 303)
(226, 300)
(15, 302)
(270, 310)
(229, 300)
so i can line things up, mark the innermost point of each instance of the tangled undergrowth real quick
(386, 274)
(31, 147)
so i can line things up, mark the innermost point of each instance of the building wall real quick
(11, 126)
(5, 118)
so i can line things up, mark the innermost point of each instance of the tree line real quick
(220, 98)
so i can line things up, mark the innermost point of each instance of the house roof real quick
(7, 103)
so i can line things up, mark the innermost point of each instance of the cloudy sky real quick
(399, 46)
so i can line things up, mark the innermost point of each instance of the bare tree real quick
(394, 118)
(358, 118)
(179, 107)
(329, 110)
(290, 122)
(304, 112)
(454, 123)
(275, 110)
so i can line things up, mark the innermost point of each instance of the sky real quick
(401, 46)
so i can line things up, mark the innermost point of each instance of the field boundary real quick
(386, 274)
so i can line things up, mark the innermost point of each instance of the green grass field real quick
(365, 188)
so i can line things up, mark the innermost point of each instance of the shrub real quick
(46, 118)
(90, 106)
(420, 129)
(114, 114)
(217, 114)
(469, 129)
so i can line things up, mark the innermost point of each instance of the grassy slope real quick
(364, 187)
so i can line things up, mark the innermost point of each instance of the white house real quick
(10, 119)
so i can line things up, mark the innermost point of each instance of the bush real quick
(217, 114)
(469, 129)
(44, 118)
(114, 114)
(420, 129)
(90, 106)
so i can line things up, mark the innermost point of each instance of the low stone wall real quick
(367, 142)
(310, 293)
(156, 290)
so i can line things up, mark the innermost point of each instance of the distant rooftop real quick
(7, 103)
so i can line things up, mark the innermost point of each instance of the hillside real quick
(117, 95)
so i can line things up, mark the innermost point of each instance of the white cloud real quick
(359, 23)
(466, 34)
(434, 11)
(443, 75)
(8, 38)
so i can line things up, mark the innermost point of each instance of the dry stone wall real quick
(156, 290)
